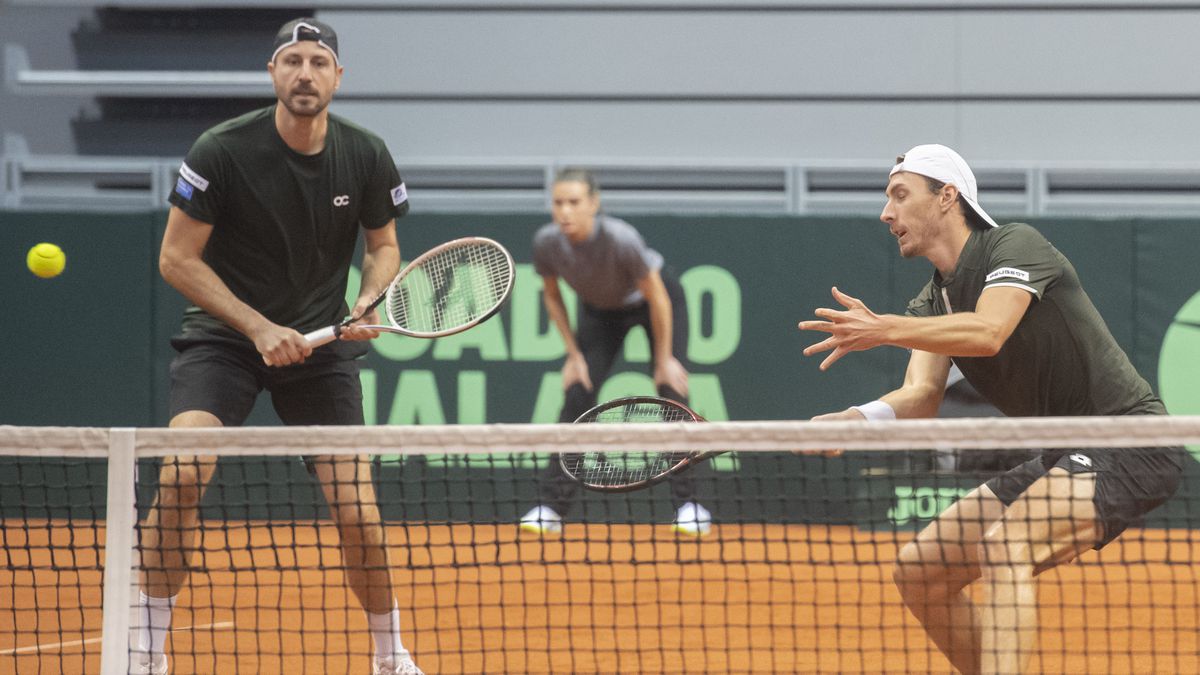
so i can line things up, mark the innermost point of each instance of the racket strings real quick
(626, 468)
(456, 287)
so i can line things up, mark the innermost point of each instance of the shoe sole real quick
(679, 529)
(537, 529)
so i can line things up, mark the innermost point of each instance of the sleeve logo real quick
(183, 189)
(1007, 272)
(192, 177)
(399, 195)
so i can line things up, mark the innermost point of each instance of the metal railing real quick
(21, 78)
(643, 185)
(634, 4)
(521, 184)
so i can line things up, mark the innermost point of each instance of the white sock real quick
(151, 622)
(385, 631)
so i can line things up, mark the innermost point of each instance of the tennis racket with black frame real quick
(636, 469)
(446, 290)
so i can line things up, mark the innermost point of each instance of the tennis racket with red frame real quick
(637, 469)
(446, 290)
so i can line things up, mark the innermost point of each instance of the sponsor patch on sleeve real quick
(183, 189)
(399, 195)
(1007, 272)
(192, 177)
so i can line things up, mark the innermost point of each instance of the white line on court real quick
(221, 625)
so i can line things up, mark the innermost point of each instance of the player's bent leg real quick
(933, 571)
(557, 490)
(691, 517)
(1051, 523)
(167, 540)
(350, 494)
(168, 536)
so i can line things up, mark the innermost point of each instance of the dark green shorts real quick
(1130, 482)
(225, 379)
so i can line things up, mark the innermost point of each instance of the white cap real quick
(947, 166)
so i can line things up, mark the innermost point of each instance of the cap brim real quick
(320, 43)
(978, 209)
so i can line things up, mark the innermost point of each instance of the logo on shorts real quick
(1081, 459)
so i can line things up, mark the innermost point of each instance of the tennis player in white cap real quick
(1008, 309)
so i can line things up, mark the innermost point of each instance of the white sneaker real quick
(144, 663)
(693, 520)
(542, 520)
(401, 664)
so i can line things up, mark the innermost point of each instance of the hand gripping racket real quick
(636, 469)
(446, 290)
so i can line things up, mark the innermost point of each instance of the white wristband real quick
(876, 411)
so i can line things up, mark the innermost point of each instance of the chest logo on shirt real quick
(341, 200)
(1007, 272)
(1082, 460)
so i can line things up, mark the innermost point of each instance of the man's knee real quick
(357, 522)
(1003, 552)
(195, 419)
(909, 571)
(922, 573)
(181, 482)
(180, 485)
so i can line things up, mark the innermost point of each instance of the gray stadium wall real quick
(90, 348)
(723, 82)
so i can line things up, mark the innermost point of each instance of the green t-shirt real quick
(1061, 360)
(285, 224)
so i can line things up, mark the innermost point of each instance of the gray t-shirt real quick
(604, 270)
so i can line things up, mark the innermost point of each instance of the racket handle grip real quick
(322, 336)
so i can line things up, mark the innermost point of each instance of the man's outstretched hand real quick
(853, 329)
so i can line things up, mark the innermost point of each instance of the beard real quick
(304, 104)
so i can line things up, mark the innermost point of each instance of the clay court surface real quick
(269, 598)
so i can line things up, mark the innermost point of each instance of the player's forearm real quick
(661, 323)
(661, 326)
(960, 334)
(198, 283)
(914, 401)
(557, 312)
(380, 265)
(923, 388)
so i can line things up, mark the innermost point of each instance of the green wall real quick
(91, 347)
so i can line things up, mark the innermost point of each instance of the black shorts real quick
(225, 379)
(1130, 482)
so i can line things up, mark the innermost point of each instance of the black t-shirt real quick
(285, 224)
(1061, 359)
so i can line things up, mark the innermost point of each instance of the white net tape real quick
(961, 433)
(795, 575)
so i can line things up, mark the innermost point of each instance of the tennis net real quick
(796, 574)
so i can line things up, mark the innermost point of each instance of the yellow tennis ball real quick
(46, 260)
